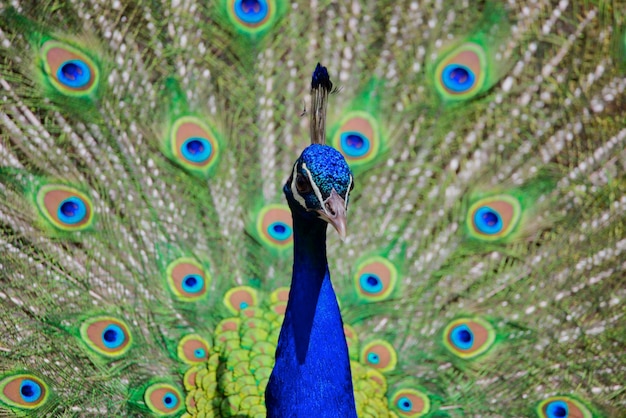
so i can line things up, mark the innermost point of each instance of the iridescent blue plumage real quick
(328, 170)
(311, 376)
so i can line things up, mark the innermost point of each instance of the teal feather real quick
(501, 206)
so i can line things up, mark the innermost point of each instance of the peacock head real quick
(320, 186)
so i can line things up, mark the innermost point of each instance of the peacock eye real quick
(302, 184)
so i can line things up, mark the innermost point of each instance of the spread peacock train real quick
(158, 194)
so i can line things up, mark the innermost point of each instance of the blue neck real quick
(311, 377)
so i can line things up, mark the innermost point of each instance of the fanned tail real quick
(145, 244)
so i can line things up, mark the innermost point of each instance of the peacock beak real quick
(334, 212)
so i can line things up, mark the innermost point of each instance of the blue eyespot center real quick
(193, 283)
(458, 78)
(243, 305)
(490, 218)
(197, 149)
(170, 400)
(109, 335)
(74, 74)
(69, 208)
(195, 146)
(72, 210)
(557, 409)
(371, 283)
(462, 337)
(354, 144)
(27, 390)
(251, 11)
(249, 6)
(280, 231)
(113, 336)
(488, 221)
(405, 404)
(30, 391)
(199, 352)
(465, 336)
(373, 358)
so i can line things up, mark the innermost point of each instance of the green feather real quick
(190, 140)
(68, 70)
(359, 134)
(472, 64)
(254, 19)
(146, 245)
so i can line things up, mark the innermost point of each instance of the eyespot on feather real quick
(274, 227)
(163, 399)
(562, 407)
(352, 340)
(69, 70)
(461, 73)
(349, 332)
(240, 298)
(375, 279)
(194, 145)
(65, 208)
(358, 138)
(280, 308)
(106, 335)
(189, 379)
(193, 349)
(227, 325)
(280, 295)
(187, 279)
(23, 391)
(279, 298)
(252, 16)
(468, 338)
(410, 403)
(380, 355)
(378, 379)
(493, 218)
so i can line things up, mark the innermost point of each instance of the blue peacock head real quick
(320, 185)
(321, 180)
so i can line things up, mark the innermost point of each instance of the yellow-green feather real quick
(545, 128)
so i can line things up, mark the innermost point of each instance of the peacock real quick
(169, 170)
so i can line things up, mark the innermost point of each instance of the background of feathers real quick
(544, 126)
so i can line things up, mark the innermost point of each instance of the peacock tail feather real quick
(145, 244)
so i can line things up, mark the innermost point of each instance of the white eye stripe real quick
(348, 191)
(316, 190)
(313, 185)
(294, 190)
